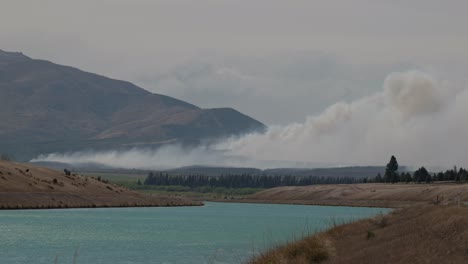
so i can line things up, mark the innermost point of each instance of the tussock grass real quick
(312, 249)
(423, 234)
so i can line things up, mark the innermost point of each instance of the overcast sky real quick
(278, 61)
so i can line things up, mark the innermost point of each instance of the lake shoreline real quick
(312, 203)
(46, 207)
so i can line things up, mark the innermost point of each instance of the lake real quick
(214, 233)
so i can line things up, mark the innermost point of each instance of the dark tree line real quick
(246, 180)
(421, 175)
(243, 180)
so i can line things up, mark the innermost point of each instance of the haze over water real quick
(215, 233)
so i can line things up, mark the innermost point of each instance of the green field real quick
(130, 181)
(127, 180)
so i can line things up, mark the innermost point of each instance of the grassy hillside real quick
(428, 234)
(27, 186)
(378, 195)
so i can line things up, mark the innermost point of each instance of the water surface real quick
(214, 233)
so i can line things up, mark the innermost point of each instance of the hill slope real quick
(28, 186)
(45, 107)
(379, 195)
(429, 234)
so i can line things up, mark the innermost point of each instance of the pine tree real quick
(422, 175)
(378, 178)
(390, 171)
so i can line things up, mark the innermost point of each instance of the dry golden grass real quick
(313, 249)
(377, 195)
(24, 186)
(425, 234)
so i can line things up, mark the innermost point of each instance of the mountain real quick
(46, 107)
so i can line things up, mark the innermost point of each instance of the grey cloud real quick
(274, 60)
(276, 89)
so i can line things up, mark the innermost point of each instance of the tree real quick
(378, 178)
(408, 177)
(151, 179)
(391, 171)
(404, 177)
(421, 175)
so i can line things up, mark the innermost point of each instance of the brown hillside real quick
(428, 234)
(379, 195)
(28, 186)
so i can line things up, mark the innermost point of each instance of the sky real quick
(338, 82)
(277, 61)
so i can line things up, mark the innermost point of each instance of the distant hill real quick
(354, 172)
(213, 171)
(351, 172)
(45, 107)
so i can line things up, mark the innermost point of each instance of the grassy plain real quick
(131, 181)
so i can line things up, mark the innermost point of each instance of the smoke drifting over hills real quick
(415, 117)
(419, 119)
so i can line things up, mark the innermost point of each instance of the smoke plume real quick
(419, 119)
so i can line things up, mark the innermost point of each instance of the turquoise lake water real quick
(214, 233)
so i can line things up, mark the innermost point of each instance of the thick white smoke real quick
(420, 120)
(415, 117)
(170, 156)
